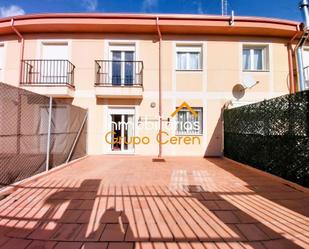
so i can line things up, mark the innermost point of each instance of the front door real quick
(122, 130)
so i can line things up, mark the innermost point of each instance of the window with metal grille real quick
(188, 124)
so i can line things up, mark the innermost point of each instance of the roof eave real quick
(145, 23)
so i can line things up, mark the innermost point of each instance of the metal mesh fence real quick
(24, 129)
(272, 135)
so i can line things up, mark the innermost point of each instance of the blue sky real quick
(287, 9)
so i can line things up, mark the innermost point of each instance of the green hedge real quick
(272, 135)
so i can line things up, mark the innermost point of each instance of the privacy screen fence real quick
(272, 135)
(36, 136)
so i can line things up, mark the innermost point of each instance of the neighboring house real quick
(109, 63)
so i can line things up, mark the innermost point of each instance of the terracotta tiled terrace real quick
(128, 202)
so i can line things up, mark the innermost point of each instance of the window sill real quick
(256, 71)
(190, 135)
(189, 70)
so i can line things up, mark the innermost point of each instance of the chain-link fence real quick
(32, 125)
(272, 135)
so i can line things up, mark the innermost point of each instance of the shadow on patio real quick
(62, 213)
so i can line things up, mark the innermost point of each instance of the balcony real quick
(49, 77)
(119, 79)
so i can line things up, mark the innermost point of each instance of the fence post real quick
(49, 132)
(222, 131)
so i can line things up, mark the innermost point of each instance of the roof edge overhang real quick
(146, 23)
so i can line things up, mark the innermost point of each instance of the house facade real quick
(133, 72)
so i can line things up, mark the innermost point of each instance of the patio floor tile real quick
(127, 202)
(16, 244)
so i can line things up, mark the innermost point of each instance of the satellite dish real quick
(238, 91)
(248, 81)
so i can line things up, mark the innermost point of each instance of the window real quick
(53, 68)
(255, 58)
(123, 64)
(189, 57)
(55, 51)
(188, 124)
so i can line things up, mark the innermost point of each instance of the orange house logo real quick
(187, 106)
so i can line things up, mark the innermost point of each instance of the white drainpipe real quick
(303, 5)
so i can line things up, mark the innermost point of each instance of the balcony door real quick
(122, 72)
(53, 67)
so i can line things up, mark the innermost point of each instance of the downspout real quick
(299, 47)
(22, 40)
(300, 64)
(160, 88)
(291, 65)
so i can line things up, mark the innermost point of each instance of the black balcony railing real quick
(118, 73)
(47, 72)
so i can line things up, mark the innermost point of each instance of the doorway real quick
(122, 68)
(122, 126)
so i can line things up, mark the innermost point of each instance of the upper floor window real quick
(189, 57)
(55, 50)
(53, 68)
(255, 58)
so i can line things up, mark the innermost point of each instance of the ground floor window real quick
(188, 123)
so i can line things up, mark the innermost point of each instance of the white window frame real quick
(265, 57)
(190, 48)
(54, 42)
(201, 123)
